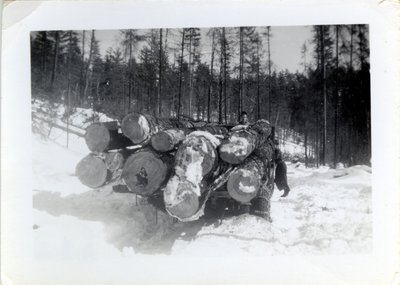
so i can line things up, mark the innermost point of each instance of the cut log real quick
(145, 171)
(92, 171)
(245, 181)
(101, 137)
(141, 127)
(180, 198)
(167, 140)
(242, 141)
(195, 159)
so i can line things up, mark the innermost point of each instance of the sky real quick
(286, 44)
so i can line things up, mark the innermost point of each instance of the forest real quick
(169, 74)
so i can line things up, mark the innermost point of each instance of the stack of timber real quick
(180, 161)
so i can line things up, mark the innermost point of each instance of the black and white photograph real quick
(214, 142)
(251, 140)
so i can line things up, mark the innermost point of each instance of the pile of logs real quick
(177, 160)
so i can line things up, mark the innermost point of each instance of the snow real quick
(236, 144)
(215, 142)
(144, 124)
(327, 212)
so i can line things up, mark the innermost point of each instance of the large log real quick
(101, 137)
(195, 159)
(141, 127)
(92, 171)
(246, 180)
(145, 171)
(168, 140)
(243, 140)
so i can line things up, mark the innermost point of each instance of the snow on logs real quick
(101, 137)
(141, 127)
(146, 171)
(169, 139)
(243, 140)
(195, 159)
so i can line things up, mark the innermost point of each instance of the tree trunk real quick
(240, 99)
(225, 75)
(336, 98)
(181, 75)
(269, 72)
(324, 137)
(68, 108)
(190, 75)
(160, 76)
(86, 77)
(306, 147)
(258, 83)
(211, 79)
(55, 60)
(82, 71)
(145, 172)
(101, 137)
(240, 143)
(220, 90)
(246, 180)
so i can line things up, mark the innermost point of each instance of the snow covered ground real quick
(327, 212)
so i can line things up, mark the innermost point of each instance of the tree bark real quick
(181, 75)
(211, 79)
(101, 137)
(240, 99)
(55, 60)
(336, 98)
(160, 75)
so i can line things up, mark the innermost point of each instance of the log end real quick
(234, 151)
(144, 173)
(162, 142)
(136, 128)
(180, 199)
(243, 186)
(91, 171)
(97, 137)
